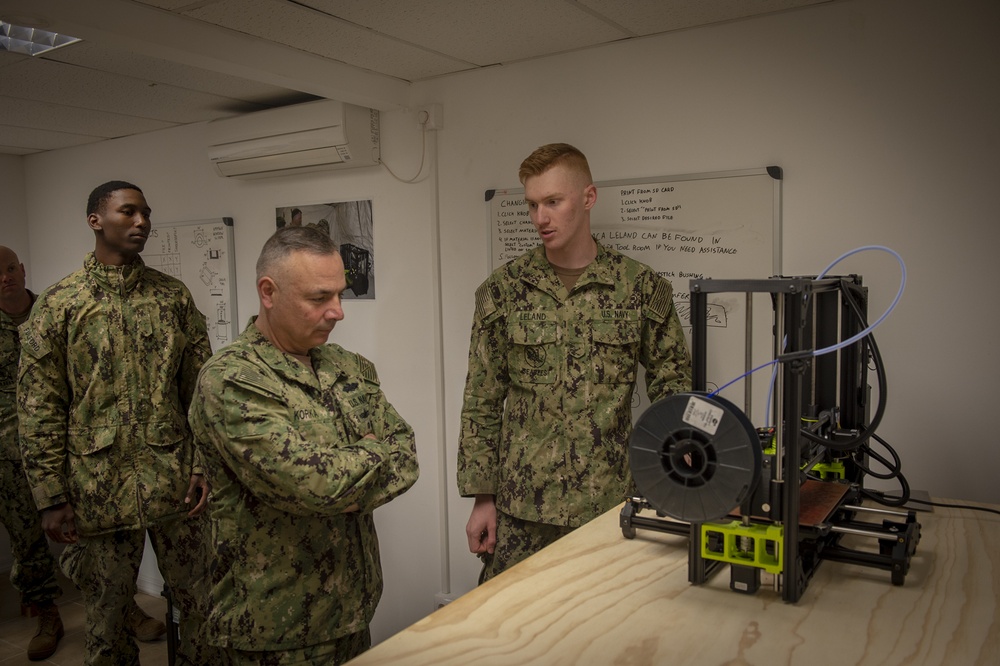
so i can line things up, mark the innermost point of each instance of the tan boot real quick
(145, 628)
(50, 630)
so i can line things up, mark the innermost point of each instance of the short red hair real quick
(545, 157)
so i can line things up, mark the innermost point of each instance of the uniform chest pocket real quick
(358, 408)
(615, 351)
(158, 334)
(8, 368)
(8, 383)
(533, 358)
(319, 427)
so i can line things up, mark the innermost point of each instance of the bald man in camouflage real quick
(33, 573)
(301, 446)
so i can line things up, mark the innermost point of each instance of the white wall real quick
(13, 212)
(881, 112)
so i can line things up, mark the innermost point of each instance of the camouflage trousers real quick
(105, 567)
(516, 540)
(332, 653)
(33, 573)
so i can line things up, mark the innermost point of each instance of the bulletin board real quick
(724, 225)
(201, 254)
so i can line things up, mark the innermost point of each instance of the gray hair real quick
(287, 240)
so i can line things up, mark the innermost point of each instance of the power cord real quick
(423, 156)
(878, 497)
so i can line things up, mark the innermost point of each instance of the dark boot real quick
(50, 630)
(145, 628)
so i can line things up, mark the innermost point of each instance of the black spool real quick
(694, 457)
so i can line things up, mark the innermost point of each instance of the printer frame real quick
(830, 390)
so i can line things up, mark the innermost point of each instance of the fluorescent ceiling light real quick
(30, 41)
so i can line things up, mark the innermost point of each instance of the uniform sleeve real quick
(399, 469)
(664, 353)
(197, 351)
(43, 400)
(486, 387)
(240, 422)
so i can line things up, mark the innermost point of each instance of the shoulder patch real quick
(32, 343)
(367, 369)
(661, 301)
(253, 377)
(485, 305)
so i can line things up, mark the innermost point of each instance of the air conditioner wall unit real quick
(314, 136)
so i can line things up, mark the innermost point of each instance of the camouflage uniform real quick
(285, 454)
(516, 540)
(109, 359)
(546, 415)
(33, 572)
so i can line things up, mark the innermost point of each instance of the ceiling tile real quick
(490, 32)
(47, 115)
(139, 66)
(314, 32)
(172, 5)
(33, 140)
(89, 89)
(650, 17)
(18, 150)
(7, 58)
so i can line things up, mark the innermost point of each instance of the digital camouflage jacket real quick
(10, 350)
(547, 415)
(285, 452)
(109, 359)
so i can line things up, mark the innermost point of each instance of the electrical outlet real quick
(431, 116)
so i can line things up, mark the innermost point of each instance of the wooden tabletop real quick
(595, 597)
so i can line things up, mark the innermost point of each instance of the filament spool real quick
(694, 457)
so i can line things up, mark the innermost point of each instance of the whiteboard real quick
(723, 225)
(201, 254)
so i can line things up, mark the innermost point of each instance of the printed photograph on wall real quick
(349, 224)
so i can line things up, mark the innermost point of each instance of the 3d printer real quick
(776, 499)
